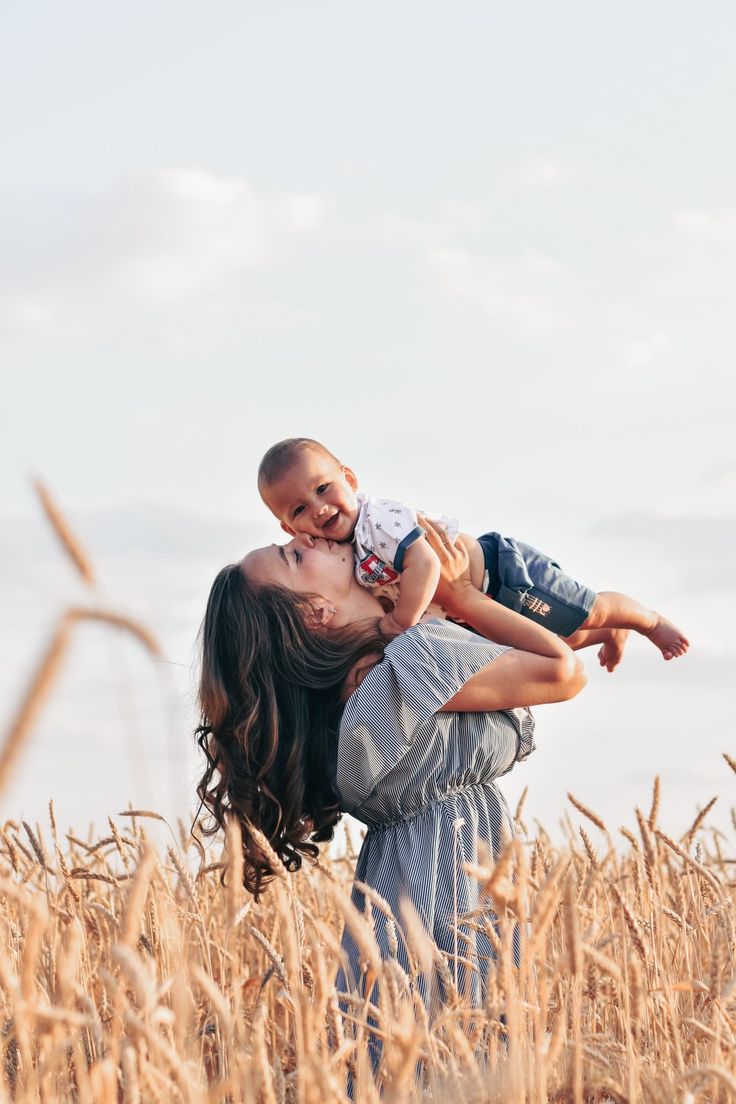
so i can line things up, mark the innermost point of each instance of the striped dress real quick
(424, 784)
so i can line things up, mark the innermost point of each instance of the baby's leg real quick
(612, 641)
(618, 611)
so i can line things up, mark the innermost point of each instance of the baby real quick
(311, 492)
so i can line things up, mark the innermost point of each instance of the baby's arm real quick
(419, 578)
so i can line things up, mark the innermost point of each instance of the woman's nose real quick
(304, 540)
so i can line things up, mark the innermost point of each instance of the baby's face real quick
(315, 496)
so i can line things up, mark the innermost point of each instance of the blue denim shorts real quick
(529, 582)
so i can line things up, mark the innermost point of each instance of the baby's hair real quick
(282, 455)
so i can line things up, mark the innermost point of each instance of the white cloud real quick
(42, 319)
(537, 261)
(644, 352)
(496, 289)
(543, 172)
(164, 241)
(706, 226)
(721, 477)
(518, 290)
(448, 221)
(205, 228)
(458, 217)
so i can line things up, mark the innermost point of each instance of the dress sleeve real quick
(433, 660)
(422, 669)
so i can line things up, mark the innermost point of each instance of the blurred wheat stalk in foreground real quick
(49, 665)
(124, 976)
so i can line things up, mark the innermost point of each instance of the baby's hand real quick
(389, 627)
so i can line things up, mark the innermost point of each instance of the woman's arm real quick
(517, 679)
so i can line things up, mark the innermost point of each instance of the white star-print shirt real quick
(383, 532)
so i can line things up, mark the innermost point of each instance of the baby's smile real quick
(336, 523)
(331, 521)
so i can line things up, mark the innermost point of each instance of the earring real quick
(331, 609)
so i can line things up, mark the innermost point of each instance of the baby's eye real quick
(322, 488)
(299, 510)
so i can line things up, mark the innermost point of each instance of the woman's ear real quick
(321, 614)
(350, 477)
(288, 529)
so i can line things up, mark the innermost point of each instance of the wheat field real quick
(134, 972)
(130, 973)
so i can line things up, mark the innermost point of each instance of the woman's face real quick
(306, 565)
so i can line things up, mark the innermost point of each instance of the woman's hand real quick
(454, 567)
(466, 603)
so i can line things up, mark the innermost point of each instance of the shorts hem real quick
(564, 618)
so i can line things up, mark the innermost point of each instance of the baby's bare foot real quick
(668, 638)
(610, 653)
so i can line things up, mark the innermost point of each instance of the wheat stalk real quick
(63, 531)
(118, 621)
(689, 835)
(592, 817)
(654, 808)
(35, 695)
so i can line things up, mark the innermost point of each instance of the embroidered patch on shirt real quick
(536, 605)
(374, 572)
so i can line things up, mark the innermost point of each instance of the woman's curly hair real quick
(270, 701)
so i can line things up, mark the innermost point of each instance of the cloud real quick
(706, 226)
(543, 172)
(165, 243)
(497, 289)
(644, 352)
(190, 229)
(721, 477)
(447, 222)
(458, 217)
(537, 261)
(39, 317)
(516, 290)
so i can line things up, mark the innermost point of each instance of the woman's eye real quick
(297, 556)
(322, 488)
(299, 510)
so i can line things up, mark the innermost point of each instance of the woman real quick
(306, 714)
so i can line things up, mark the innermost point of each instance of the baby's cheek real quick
(305, 527)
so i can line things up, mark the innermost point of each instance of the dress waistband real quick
(459, 791)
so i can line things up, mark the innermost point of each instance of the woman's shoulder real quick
(435, 635)
(422, 669)
(441, 644)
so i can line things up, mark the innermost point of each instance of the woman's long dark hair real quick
(270, 706)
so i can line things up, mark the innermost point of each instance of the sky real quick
(486, 253)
